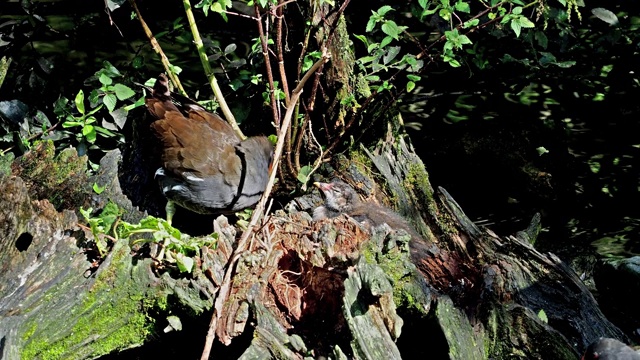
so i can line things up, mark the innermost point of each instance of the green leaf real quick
(445, 14)
(515, 26)
(80, 102)
(109, 69)
(216, 7)
(372, 78)
(67, 124)
(94, 97)
(363, 39)
(471, 23)
(226, 3)
(422, 3)
(413, 77)
(123, 92)
(605, 15)
(464, 40)
(230, 48)
(429, 12)
(89, 133)
(543, 316)
(541, 38)
(303, 175)
(410, 86)
(526, 23)
(390, 28)
(386, 41)
(109, 101)
(98, 189)
(185, 263)
(463, 7)
(104, 132)
(383, 10)
(370, 24)
(517, 10)
(104, 79)
(541, 150)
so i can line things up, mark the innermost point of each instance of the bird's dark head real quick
(338, 196)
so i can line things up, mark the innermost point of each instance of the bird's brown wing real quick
(194, 146)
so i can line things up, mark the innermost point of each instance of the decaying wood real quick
(306, 288)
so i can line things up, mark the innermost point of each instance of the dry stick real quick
(225, 287)
(267, 63)
(314, 89)
(283, 74)
(111, 22)
(213, 82)
(307, 119)
(47, 131)
(156, 46)
(285, 84)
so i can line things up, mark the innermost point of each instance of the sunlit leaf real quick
(80, 101)
(543, 316)
(410, 86)
(89, 132)
(185, 263)
(109, 101)
(303, 175)
(605, 15)
(230, 48)
(515, 26)
(463, 7)
(383, 10)
(542, 150)
(123, 92)
(386, 41)
(390, 28)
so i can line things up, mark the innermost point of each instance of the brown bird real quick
(610, 349)
(206, 167)
(340, 198)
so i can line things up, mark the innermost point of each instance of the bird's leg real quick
(170, 209)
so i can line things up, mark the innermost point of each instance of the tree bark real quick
(324, 288)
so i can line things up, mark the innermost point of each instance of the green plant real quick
(81, 118)
(176, 248)
(103, 226)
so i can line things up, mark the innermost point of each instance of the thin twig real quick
(285, 84)
(280, 52)
(316, 84)
(37, 135)
(156, 47)
(213, 82)
(308, 110)
(225, 287)
(267, 63)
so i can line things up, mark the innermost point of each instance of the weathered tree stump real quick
(324, 288)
